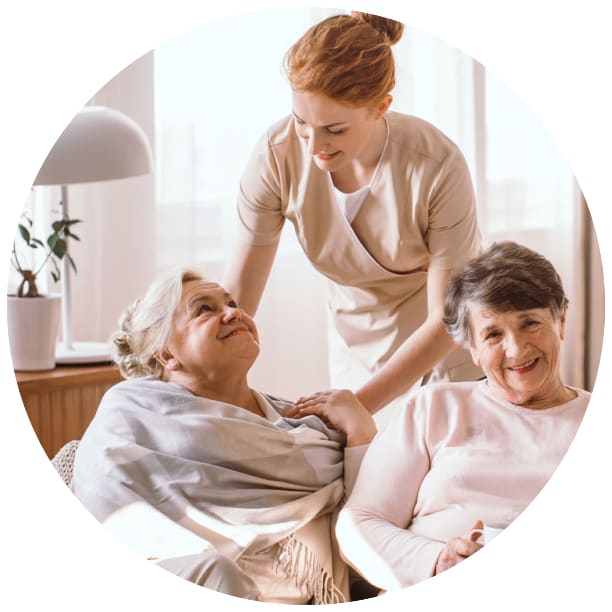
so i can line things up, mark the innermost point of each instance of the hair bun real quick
(121, 344)
(392, 30)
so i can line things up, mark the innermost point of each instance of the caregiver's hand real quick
(458, 549)
(340, 409)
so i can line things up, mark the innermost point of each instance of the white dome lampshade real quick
(99, 144)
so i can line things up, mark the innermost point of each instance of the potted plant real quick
(33, 318)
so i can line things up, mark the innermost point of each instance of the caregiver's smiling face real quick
(336, 134)
(520, 353)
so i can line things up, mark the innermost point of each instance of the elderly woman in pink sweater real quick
(462, 454)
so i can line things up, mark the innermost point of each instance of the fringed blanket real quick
(234, 482)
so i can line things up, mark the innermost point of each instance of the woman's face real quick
(210, 333)
(519, 352)
(336, 134)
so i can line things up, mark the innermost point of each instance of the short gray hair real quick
(507, 276)
(145, 327)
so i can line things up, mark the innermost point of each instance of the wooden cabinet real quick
(61, 402)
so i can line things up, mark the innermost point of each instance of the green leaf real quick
(71, 261)
(25, 234)
(58, 226)
(36, 242)
(53, 238)
(74, 236)
(59, 248)
(55, 276)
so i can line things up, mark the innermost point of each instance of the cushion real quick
(63, 461)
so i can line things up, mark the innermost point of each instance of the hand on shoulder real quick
(340, 409)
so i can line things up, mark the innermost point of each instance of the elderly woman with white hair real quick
(466, 453)
(185, 461)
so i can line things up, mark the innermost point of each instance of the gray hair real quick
(507, 276)
(145, 327)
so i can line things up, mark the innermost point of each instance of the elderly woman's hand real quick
(340, 409)
(458, 549)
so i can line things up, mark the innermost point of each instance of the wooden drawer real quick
(60, 403)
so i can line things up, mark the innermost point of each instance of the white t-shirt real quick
(350, 203)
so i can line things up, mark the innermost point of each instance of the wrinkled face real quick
(335, 133)
(210, 332)
(519, 352)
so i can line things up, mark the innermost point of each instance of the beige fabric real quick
(420, 212)
(213, 571)
(289, 572)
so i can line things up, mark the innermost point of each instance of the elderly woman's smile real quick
(241, 329)
(525, 367)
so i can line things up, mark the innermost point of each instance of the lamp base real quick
(82, 353)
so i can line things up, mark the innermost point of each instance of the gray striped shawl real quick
(238, 482)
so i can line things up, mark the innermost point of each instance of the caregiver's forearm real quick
(247, 272)
(425, 348)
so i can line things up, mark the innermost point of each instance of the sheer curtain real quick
(212, 102)
(204, 102)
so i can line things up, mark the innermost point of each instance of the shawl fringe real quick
(303, 567)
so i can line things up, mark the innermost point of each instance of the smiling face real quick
(211, 336)
(519, 352)
(337, 134)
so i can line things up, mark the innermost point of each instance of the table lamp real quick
(99, 144)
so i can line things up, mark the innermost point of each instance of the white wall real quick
(116, 257)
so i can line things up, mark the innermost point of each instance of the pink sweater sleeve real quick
(456, 454)
(372, 527)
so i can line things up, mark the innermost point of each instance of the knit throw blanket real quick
(235, 482)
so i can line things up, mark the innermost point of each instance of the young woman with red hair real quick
(382, 203)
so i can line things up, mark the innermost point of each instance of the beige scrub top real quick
(420, 212)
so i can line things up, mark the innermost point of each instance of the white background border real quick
(56, 54)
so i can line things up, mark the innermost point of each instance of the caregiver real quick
(382, 204)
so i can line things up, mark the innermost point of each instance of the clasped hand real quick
(340, 409)
(459, 548)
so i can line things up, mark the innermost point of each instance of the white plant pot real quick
(33, 325)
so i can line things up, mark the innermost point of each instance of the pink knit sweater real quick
(455, 454)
